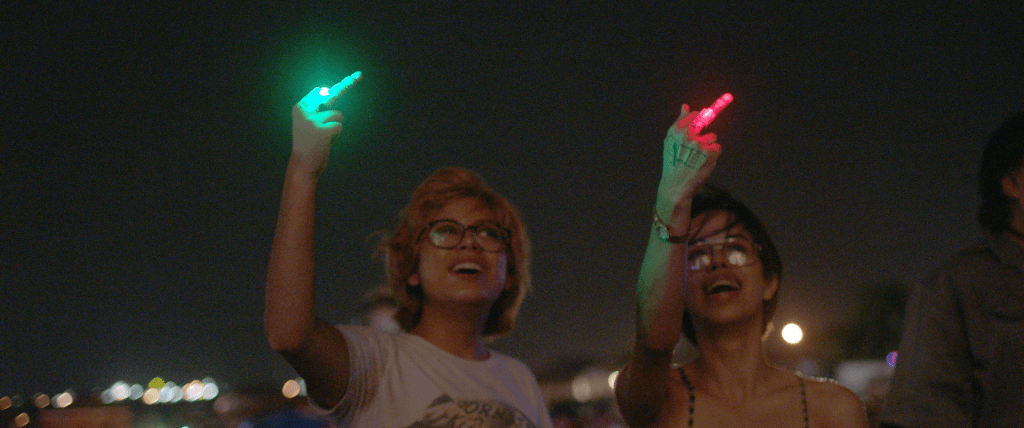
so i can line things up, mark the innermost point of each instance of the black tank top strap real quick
(803, 400)
(693, 397)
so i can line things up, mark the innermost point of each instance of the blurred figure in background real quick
(961, 359)
(378, 310)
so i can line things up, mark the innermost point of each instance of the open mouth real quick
(721, 287)
(467, 268)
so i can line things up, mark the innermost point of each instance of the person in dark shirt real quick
(961, 359)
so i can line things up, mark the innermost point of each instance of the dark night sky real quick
(144, 149)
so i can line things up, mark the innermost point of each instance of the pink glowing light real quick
(707, 115)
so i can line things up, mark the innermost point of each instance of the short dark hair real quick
(1003, 155)
(711, 198)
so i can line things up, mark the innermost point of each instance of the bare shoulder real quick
(830, 404)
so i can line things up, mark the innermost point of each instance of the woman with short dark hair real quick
(711, 273)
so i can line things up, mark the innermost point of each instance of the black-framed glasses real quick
(736, 251)
(448, 234)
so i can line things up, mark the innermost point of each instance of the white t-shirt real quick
(399, 380)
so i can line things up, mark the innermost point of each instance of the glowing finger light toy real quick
(707, 115)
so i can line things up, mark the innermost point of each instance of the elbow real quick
(282, 345)
(286, 338)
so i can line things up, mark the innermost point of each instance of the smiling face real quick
(403, 246)
(465, 274)
(729, 283)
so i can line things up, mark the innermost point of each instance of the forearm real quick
(663, 271)
(660, 287)
(288, 311)
(642, 386)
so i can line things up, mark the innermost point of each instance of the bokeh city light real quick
(792, 333)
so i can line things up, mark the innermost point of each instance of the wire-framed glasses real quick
(448, 234)
(736, 251)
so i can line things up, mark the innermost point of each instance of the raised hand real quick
(687, 160)
(315, 124)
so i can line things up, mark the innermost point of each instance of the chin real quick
(472, 295)
(726, 317)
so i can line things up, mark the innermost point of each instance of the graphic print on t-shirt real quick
(446, 412)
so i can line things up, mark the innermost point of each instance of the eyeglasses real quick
(448, 234)
(737, 252)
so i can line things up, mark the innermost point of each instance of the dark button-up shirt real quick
(961, 360)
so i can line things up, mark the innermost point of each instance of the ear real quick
(414, 280)
(1011, 188)
(769, 291)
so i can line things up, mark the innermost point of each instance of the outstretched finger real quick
(708, 115)
(341, 87)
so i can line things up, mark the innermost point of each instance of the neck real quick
(458, 332)
(732, 364)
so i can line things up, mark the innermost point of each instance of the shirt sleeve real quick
(933, 384)
(368, 352)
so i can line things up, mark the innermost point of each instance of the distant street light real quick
(291, 389)
(792, 334)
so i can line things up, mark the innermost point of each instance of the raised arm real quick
(313, 347)
(687, 160)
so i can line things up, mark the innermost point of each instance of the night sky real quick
(144, 147)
